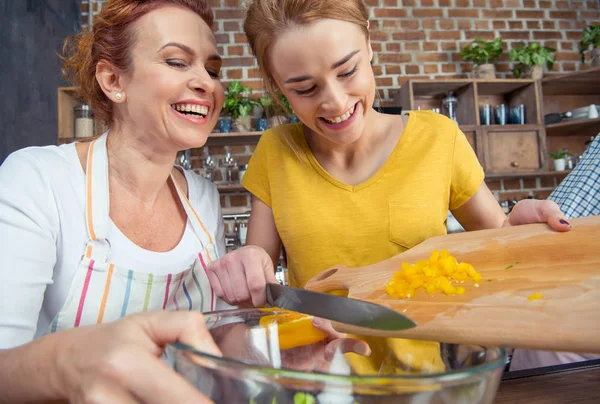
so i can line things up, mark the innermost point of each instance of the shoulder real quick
(35, 164)
(200, 190)
(281, 137)
(432, 121)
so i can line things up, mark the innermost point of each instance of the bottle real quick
(242, 232)
(83, 121)
(450, 103)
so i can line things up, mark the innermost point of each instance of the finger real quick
(213, 278)
(346, 345)
(104, 391)
(221, 269)
(552, 214)
(165, 327)
(236, 277)
(153, 382)
(255, 279)
(325, 326)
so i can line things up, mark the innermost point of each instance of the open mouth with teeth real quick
(340, 119)
(191, 110)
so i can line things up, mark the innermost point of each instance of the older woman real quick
(93, 232)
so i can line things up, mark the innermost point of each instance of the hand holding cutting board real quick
(516, 263)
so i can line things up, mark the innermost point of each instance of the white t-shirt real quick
(43, 235)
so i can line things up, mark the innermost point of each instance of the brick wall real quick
(421, 39)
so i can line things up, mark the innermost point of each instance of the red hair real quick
(112, 40)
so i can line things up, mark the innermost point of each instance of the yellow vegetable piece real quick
(440, 273)
(293, 329)
(536, 296)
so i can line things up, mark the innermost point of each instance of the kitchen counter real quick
(571, 384)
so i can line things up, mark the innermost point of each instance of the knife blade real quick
(337, 308)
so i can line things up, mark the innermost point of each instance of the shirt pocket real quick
(413, 222)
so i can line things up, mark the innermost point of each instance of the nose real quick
(334, 99)
(202, 82)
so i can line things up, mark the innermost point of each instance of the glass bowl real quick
(255, 369)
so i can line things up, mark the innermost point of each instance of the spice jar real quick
(83, 121)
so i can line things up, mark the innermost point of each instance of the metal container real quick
(450, 102)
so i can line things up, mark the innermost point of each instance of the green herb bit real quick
(304, 398)
(508, 267)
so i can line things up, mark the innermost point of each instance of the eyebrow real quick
(189, 50)
(334, 66)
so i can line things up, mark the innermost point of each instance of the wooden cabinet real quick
(501, 149)
(565, 93)
(508, 150)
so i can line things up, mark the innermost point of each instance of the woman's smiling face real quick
(324, 70)
(173, 91)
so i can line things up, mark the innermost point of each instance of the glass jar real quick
(83, 121)
(450, 103)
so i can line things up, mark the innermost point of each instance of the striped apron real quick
(102, 291)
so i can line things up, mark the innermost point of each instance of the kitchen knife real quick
(337, 308)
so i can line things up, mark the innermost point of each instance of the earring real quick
(118, 96)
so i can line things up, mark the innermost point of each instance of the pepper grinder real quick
(450, 103)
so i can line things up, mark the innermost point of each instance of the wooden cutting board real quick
(515, 262)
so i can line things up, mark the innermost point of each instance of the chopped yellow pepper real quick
(440, 273)
(293, 329)
(536, 296)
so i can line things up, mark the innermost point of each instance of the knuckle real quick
(95, 394)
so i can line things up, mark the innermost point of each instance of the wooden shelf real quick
(577, 83)
(511, 127)
(231, 188)
(234, 134)
(579, 127)
(507, 176)
(501, 86)
(241, 210)
(468, 128)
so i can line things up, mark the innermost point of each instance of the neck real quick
(137, 165)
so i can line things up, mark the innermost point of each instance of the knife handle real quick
(333, 279)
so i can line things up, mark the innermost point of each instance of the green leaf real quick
(508, 267)
(481, 51)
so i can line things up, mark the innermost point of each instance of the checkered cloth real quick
(579, 193)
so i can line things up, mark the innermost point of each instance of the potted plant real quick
(238, 105)
(278, 112)
(483, 54)
(559, 159)
(266, 103)
(591, 37)
(531, 60)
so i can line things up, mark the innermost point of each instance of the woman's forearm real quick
(29, 373)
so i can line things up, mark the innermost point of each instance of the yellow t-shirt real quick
(323, 222)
